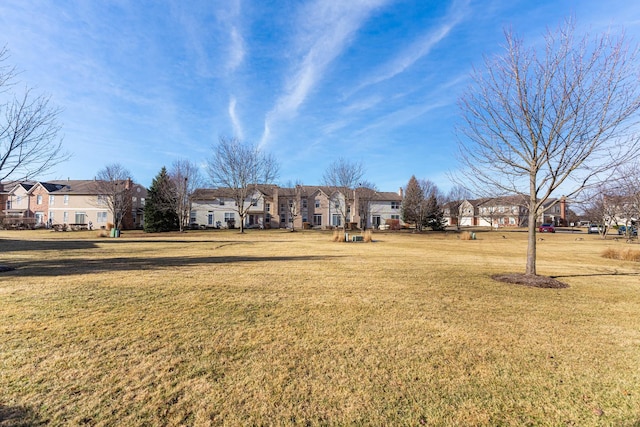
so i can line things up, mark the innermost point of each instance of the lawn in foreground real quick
(272, 327)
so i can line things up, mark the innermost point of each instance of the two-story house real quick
(271, 206)
(71, 203)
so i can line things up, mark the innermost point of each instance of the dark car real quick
(623, 230)
(547, 228)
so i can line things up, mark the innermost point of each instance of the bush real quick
(625, 254)
(368, 236)
(338, 236)
(394, 224)
(466, 235)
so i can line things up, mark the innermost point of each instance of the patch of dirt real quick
(4, 268)
(530, 280)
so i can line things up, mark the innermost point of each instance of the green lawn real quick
(280, 328)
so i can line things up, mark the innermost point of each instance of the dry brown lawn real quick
(280, 328)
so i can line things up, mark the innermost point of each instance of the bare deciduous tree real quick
(113, 185)
(342, 177)
(535, 121)
(186, 178)
(292, 195)
(29, 128)
(454, 198)
(367, 194)
(239, 169)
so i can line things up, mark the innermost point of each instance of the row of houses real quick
(80, 202)
(74, 203)
(77, 203)
(302, 206)
(498, 212)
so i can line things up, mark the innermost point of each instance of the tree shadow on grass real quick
(14, 245)
(67, 267)
(19, 416)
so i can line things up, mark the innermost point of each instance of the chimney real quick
(563, 210)
(400, 192)
(127, 185)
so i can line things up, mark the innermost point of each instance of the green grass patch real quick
(280, 328)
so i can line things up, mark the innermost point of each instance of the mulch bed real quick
(530, 280)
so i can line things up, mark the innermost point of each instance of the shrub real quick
(394, 224)
(625, 254)
(466, 235)
(368, 236)
(109, 226)
(337, 236)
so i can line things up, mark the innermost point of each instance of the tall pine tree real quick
(413, 203)
(159, 208)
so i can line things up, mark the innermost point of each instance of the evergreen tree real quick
(159, 209)
(413, 203)
(434, 214)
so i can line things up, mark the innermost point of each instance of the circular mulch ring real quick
(530, 280)
(4, 268)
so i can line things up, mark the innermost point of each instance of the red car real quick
(547, 228)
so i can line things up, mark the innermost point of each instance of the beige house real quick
(72, 203)
(302, 206)
(499, 212)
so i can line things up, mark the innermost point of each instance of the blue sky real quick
(144, 82)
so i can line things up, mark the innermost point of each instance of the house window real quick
(8, 204)
(65, 217)
(221, 202)
(39, 199)
(336, 220)
(282, 218)
(51, 216)
(395, 205)
(66, 199)
(79, 218)
(18, 200)
(209, 218)
(290, 204)
(102, 199)
(282, 206)
(141, 201)
(395, 216)
(267, 207)
(39, 217)
(102, 217)
(317, 203)
(317, 219)
(336, 205)
(304, 203)
(254, 202)
(52, 199)
(305, 219)
(229, 216)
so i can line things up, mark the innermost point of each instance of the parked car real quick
(547, 228)
(623, 230)
(594, 229)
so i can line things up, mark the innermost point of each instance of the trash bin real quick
(115, 232)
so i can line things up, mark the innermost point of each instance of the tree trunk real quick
(531, 242)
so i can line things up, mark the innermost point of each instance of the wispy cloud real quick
(419, 48)
(235, 122)
(324, 28)
(236, 49)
